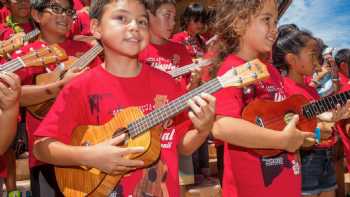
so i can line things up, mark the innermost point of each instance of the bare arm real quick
(202, 117)
(35, 94)
(192, 141)
(105, 156)
(8, 127)
(245, 134)
(10, 89)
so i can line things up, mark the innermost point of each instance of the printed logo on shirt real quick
(273, 167)
(163, 64)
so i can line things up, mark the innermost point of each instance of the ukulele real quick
(41, 57)
(276, 115)
(17, 41)
(188, 68)
(40, 110)
(141, 131)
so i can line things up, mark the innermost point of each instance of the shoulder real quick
(86, 79)
(179, 36)
(229, 62)
(176, 45)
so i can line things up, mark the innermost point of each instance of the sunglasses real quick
(57, 9)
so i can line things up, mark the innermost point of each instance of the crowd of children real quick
(143, 43)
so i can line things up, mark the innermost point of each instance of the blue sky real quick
(327, 19)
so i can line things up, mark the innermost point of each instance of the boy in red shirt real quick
(121, 82)
(166, 55)
(54, 18)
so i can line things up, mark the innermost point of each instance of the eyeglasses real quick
(57, 9)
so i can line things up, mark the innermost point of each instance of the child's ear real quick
(35, 15)
(291, 59)
(95, 28)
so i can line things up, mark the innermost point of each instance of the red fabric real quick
(343, 79)
(167, 57)
(7, 32)
(245, 174)
(3, 167)
(81, 25)
(4, 12)
(292, 88)
(27, 76)
(78, 4)
(191, 43)
(343, 133)
(102, 95)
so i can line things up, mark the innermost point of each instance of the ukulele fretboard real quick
(325, 104)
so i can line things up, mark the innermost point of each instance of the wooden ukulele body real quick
(40, 110)
(80, 181)
(276, 115)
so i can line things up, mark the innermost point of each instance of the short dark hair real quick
(153, 5)
(342, 56)
(40, 5)
(97, 7)
(195, 12)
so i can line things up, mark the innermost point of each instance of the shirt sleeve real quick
(229, 101)
(65, 115)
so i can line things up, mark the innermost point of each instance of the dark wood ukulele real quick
(276, 115)
(142, 130)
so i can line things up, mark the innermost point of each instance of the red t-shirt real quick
(167, 57)
(102, 95)
(27, 76)
(78, 4)
(245, 174)
(192, 44)
(81, 25)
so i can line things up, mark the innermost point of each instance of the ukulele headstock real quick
(244, 74)
(44, 56)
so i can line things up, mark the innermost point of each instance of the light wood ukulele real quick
(141, 131)
(41, 57)
(40, 110)
(17, 41)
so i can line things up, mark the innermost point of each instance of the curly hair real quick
(232, 19)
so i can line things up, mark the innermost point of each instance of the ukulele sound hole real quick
(288, 117)
(86, 143)
(121, 131)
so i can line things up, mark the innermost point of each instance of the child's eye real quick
(267, 19)
(143, 22)
(121, 19)
(167, 15)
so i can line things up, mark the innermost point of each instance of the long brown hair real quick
(232, 19)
